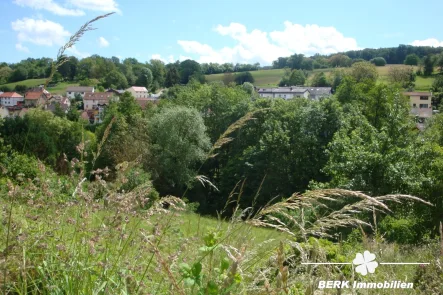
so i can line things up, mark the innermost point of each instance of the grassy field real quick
(263, 78)
(270, 78)
(60, 88)
(85, 248)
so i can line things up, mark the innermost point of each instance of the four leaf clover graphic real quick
(365, 263)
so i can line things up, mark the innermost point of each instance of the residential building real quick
(64, 103)
(10, 99)
(284, 92)
(138, 92)
(93, 100)
(421, 104)
(314, 93)
(37, 96)
(317, 93)
(72, 91)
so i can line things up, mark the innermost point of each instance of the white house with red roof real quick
(10, 99)
(138, 92)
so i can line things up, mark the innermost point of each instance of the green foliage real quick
(428, 63)
(364, 71)
(172, 77)
(187, 69)
(402, 230)
(20, 88)
(319, 80)
(115, 79)
(45, 136)
(248, 87)
(178, 145)
(243, 77)
(145, 78)
(297, 78)
(378, 61)
(412, 60)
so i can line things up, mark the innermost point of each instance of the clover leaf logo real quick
(365, 263)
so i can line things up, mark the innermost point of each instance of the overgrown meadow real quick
(216, 191)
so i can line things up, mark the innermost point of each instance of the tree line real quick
(112, 72)
(403, 54)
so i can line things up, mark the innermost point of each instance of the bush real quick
(5, 88)
(20, 88)
(402, 230)
(243, 77)
(378, 61)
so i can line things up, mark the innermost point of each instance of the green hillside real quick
(59, 88)
(270, 78)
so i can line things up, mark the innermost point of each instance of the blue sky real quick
(215, 31)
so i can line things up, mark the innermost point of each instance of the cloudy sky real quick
(216, 30)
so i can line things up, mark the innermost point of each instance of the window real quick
(69, 92)
(414, 105)
(423, 97)
(423, 106)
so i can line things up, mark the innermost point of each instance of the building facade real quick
(72, 91)
(138, 92)
(91, 101)
(421, 103)
(10, 99)
(314, 93)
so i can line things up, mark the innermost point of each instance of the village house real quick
(63, 102)
(421, 104)
(72, 91)
(93, 100)
(284, 92)
(94, 104)
(314, 93)
(37, 96)
(10, 99)
(138, 92)
(116, 91)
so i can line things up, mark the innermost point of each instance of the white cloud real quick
(97, 5)
(170, 58)
(49, 5)
(102, 42)
(428, 42)
(73, 50)
(40, 32)
(20, 47)
(78, 6)
(159, 57)
(265, 47)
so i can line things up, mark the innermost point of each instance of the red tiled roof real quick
(34, 95)
(11, 94)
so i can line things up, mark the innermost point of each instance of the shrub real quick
(403, 230)
(244, 77)
(378, 61)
